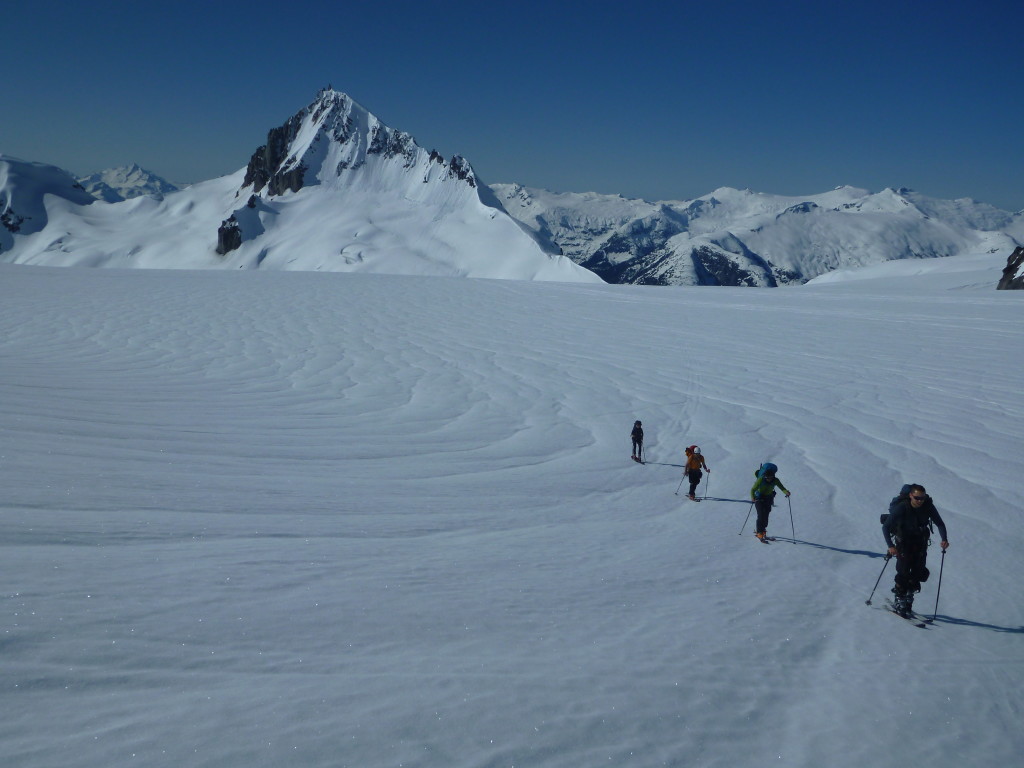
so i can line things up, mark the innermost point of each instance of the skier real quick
(638, 440)
(907, 529)
(763, 495)
(694, 463)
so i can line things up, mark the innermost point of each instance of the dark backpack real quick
(913, 524)
(901, 496)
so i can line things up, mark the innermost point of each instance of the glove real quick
(787, 494)
(944, 545)
(892, 551)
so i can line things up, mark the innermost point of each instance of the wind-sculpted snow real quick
(258, 518)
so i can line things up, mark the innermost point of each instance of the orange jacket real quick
(695, 461)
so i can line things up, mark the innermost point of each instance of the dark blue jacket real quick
(911, 524)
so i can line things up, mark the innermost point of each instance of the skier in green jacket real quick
(763, 495)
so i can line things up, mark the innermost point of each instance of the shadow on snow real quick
(861, 552)
(943, 619)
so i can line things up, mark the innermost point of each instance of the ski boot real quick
(904, 605)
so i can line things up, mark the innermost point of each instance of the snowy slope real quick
(27, 191)
(255, 519)
(334, 189)
(740, 237)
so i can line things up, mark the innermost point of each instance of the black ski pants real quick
(763, 506)
(911, 557)
(638, 446)
(695, 475)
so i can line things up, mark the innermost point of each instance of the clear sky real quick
(659, 100)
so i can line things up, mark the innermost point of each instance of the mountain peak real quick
(334, 137)
(126, 182)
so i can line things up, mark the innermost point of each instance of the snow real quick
(766, 238)
(281, 518)
(335, 189)
(373, 202)
(25, 188)
(116, 184)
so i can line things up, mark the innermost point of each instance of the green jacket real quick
(766, 488)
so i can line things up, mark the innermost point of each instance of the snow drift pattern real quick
(366, 520)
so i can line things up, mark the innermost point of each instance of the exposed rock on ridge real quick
(270, 165)
(333, 135)
(1013, 274)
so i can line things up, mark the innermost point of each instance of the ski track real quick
(362, 520)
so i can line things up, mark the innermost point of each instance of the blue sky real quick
(660, 100)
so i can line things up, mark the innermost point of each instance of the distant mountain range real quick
(739, 237)
(336, 189)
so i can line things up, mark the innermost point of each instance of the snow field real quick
(362, 520)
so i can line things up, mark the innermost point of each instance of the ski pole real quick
(680, 483)
(884, 566)
(749, 510)
(707, 482)
(791, 526)
(937, 591)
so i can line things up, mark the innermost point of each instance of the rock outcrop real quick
(229, 236)
(1013, 273)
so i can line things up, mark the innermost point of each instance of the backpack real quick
(903, 494)
(766, 467)
(916, 524)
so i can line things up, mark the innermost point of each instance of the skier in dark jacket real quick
(907, 530)
(638, 440)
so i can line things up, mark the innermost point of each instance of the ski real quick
(766, 539)
(693, 498)
(913, 618)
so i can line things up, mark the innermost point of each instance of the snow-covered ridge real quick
(336, 189)
(741, 237)
(333, 189)
(336, 140)
(24, 189)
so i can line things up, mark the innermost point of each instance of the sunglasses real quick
(917, 498)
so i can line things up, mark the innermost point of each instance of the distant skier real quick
(763, 495)
(638, 441)
(907, 529)
(694, 463)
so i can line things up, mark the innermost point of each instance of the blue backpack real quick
(766, 467)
